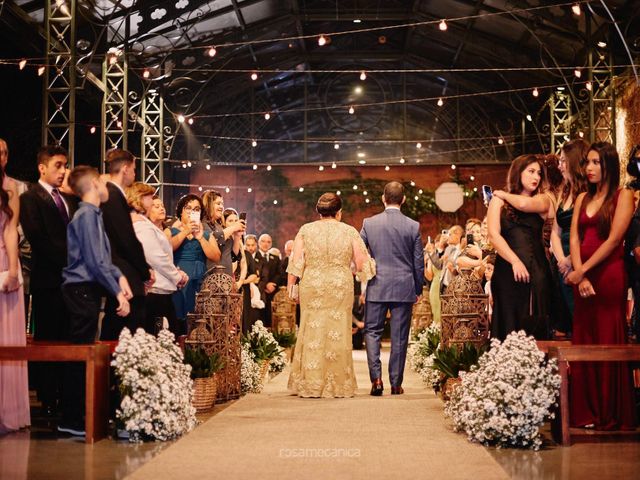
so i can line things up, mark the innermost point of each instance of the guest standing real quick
(632, 245)
(44, 215)
(14, 389)
(126, 250)
(147, 217)
(192, 246)
(521, 278)
(573, 154)
(268, 269)
(601, 394)
(323, 250)
(228, 243)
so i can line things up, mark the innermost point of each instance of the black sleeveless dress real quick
(519, 305)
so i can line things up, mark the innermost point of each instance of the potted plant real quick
(203, 369)
(452, 360)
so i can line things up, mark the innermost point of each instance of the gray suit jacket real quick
(394, 242)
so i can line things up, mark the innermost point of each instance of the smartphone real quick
(487, 193)
(243, 216)
(445, 232)
(194, 216)
(470, 240)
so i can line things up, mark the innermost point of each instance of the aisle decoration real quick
(260, 346)
(203, 374)
(155, 386)
(250, 376)
(421, 354)
(508, 396)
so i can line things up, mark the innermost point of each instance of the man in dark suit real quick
(126, 250)
(44, 215)
(268, 269)
(395, 244)
(284, 263)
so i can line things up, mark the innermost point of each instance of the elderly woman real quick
(147, 216)
(229, 237)
(192, 246)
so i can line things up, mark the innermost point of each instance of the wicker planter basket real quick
(264, 371)
(204, 393)
(448, 387)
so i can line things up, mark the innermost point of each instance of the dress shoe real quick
(397, 390)
(377, 387)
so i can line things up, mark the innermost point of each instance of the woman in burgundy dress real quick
(601, 393)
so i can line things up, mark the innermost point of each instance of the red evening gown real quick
(601, 392)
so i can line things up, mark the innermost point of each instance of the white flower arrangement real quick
(250, 377)
(420, 361)
(505, 399)
(155, 386)
(262, 347)
(277, 363)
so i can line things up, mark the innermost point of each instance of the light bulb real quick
(321, 168)
(363, 76)
(362, 162)
(199, 189)
(402, 160)
(387, 168)
(227, 189)
(453, 167)
(268, 168)
(365, 193)
(92, 130)
(322, 40)
(472, 178)
(529, 118)
(602, 44)
(22, 64)
(581, 134)
(442, 25)
(189, 164)
(212, 52)
(181, 118)
(352, 110)
(267, 116)
(355, 187)
(333, 165)
(440, 102)
(184, 165)
(275, 202)
(336, 146)
(254, 76)
(589, 86)
(249, 190)
(255, 167)
(416, 197)
(577, 73)
(190, 121)
(475, 189)
(254, 143)
(500, 141)
(420, 192)
(338, 192)
(535, 92)
(208, 167)
(40, 71)
(366, 200)
(146, 73)
(418, 145)
(301, 189)
(575, 8)
(412, 183)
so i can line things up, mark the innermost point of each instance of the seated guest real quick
(228, 242)
(192, 246)
(88, 273)
(148, 212)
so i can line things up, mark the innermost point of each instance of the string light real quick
(472, 178)
(255, 167)
(442, 25)
(189, 164)
(453, 166)
(355, 187)
(208, 166)
(500, 141)
(416, 197)
(412, 183)
(268, 168)
(254, 76)
(190, 121)
(387, 168)
(321, 168)
(402, 160)
(529, 118)
(440, 102)
(420, 191)
(184, 165)
(602, 44)
(418, 145)
(249, 190)
(362, 162)
(227, 189)
(322, 40)
(334, 166)
(254, 143)
(363, 75)
(365, 193)
(581, 134)
(275, 202)
(267, 116)
(336, 146)
(199, 189)
(40, 71)
(577, 72)
(589, 86)
(535, 92)
(212, 52)
(475, 189)
(146, 73)
(575, 8)
(366, 200)
(352, 110)
(338, 192)
(181, 118)
(301, 189)
(22, 64)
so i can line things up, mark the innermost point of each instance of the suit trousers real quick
(83, 302)
(375, 315)
(112, 324)
(51, 322)
(160, 305)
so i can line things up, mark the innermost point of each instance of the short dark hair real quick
(329, 204)
(79, 179)
(250, 236)
(45, 153)
(116, 158)
(393, 193)
(183, 203)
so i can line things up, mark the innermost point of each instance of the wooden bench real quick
(96, 356)
(582, 353)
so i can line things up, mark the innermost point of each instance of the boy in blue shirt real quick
(89, 272)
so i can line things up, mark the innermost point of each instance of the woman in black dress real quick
(522, 279)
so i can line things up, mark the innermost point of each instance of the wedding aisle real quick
(275, 435)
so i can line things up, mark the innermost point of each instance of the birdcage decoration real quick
(283, 312)
(222, 307)
(421, 316)
(464, 312)
(201, 335)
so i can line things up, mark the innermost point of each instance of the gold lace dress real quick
(322, 365)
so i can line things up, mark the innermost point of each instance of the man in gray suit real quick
(394, 242)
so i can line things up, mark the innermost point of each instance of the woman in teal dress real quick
(192, 246)
(572, 157)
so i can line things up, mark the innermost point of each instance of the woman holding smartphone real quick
(192, 246)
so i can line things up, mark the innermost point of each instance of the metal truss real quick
(152, 140)
(602, 102)
(59, 99)
(560, 119)
(115, 106)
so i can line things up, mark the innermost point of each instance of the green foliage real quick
(431, 345)
(263, 348)
(285, 339)
(202, 365)
(450, 361)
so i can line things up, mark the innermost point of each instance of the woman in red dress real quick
(601, 393)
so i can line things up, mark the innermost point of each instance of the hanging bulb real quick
(387, 168)
(145, 73)
(575, 8)
(366, 200)
(363, 75)
(322, 40)
(254, 143)
(181, 118)
(190, 121)
(301, 189)
(500, 141)
(334, 166)
(352, 110)
(268, 168)
(267, 116)
(440, 102)
(208, 167)
(589, 86)
(355, 187)
(212, 52)
(402, 160)
(249, 190)
(92, 130)
(189, 164)
(535, 92)
(442, 25)
(472, 178)
(22, 64)
(418, 145)
(255, 167)
(227, 189)
(336, 146)
(338, 192)
(529, 118)
(577, 72)
(40, 71)
(453, 167)
(254, 76)
(321, 168)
